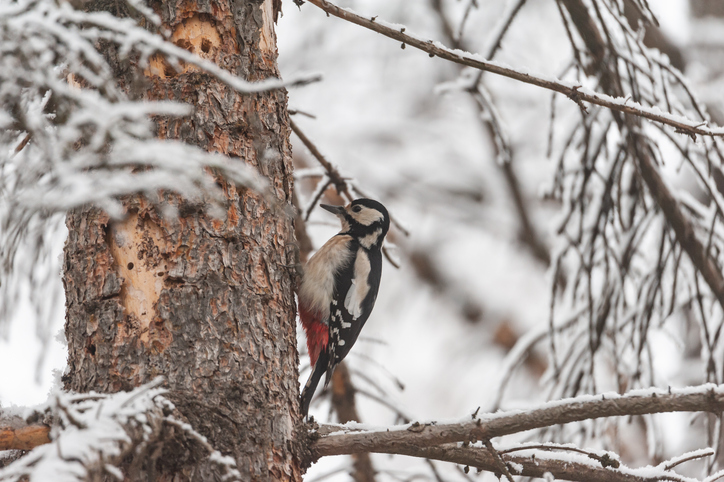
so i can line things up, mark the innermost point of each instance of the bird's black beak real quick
(337, 210)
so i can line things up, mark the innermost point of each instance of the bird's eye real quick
(357, 209)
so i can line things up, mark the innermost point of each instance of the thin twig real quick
(23, 143)
(698, 454)
(339, 183)
(498, 460)
(606, 460)
(575, 92)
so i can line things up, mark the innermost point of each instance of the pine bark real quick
(205, 302)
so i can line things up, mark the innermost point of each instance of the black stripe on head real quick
(383, 223)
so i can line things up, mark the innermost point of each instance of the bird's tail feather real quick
(311, 386)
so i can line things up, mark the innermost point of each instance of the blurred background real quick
(475, 235)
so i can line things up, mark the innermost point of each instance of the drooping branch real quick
(705, 398)
(681, 225)
(575, 92)
(665, 199)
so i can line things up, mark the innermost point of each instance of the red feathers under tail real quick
(316, 331)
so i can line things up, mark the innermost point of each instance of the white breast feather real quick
(360, 286)
(318, 283)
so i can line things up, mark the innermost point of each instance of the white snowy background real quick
(381, 117)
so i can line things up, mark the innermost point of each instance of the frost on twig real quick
(640, 253)
(568, 88)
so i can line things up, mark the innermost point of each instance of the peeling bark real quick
(207, 303)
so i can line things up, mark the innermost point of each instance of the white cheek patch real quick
(367, 216)
(359, 289)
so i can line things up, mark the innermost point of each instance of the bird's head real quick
(364, 219)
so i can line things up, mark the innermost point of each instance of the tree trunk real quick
(206, 303)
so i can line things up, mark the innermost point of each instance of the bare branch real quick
(339, 183)
(17, 434)
(502, 28)
(577, 93)
(492, 124)
(705, 398)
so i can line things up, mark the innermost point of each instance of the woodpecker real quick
(339, 288)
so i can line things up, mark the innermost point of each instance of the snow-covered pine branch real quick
(92, 434)
(69, 136)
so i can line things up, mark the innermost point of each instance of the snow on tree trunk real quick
(205, 302)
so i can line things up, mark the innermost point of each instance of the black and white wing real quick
(355, 294)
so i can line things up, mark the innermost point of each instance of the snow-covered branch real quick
(93, 434)
(147, 43)
(574, 467)
(574, 91)
(348, 439)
